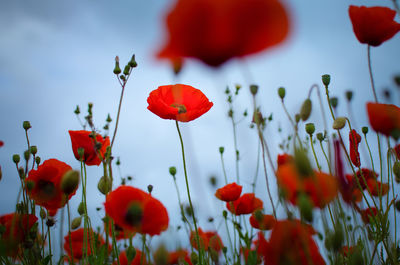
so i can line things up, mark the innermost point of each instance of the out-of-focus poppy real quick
(303, 249)
(363, 176)
(284, 159)
(355, 140)
(177, 257)
(397, 151)
(373, 25)
(384, 118)
(368, 214)
(208, 240)
(178, 102)
(44, 185)
(1, 143)
(262, 221)
(377, 188)
(123, 259)
(230, 192)
(216, 31)
(78, 244)
(16, 228)
(94, 150)
(119, 232)
(246, 204)
(137, 211)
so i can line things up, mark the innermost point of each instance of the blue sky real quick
(54, 56)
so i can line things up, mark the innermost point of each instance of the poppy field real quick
(328, 193)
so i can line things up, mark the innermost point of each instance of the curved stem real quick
(119, 111)
(370, 72)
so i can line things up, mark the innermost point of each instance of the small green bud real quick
(172, 171)
(76, 222)
(122, 77)
(339, 123)
(334, 102)
(306, 109)
(81, 153)
(118, 162)
(43, 214)
(310, 128)
(150, 188)
(282, 92)
(77, 110)
(134, 214)
(132, 63)
(320, 137)
(70, 181)
(396, 171)
(221, 150)
(303, 163)
(224, 214)
(210, 219)
(81, 208)
(326, 80)
(50, 221)
(26, 125)
(30, 185)
(364, 130)
(224, 250)
(108, 118)
(130, 253)
(396, 80)
(297, 118)
(16, 158)
(126, 70)
(104, 185)
(117, 70)
(27, 155)
(349, 95)
(34, 149)
(213, 181)
(253, 89)
(306, 207)
(397, 205)
(37, 160)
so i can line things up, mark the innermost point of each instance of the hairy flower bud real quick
(16, 158)
(282, 92)
(326, 80)
(339, 123)
(253, 89)
(34, 149)
(306, 109)
(70, 181)
(104, 185)
(76, 222)
(117, 70)
(172, 171)
(310, 128)
(26, 125)
(349, 95)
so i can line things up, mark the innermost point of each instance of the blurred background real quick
(57, 55)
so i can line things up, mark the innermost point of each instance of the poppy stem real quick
(48, 232)
(119, 111)
(223, 169)
(370, 72)
(114, 241)
(69, 235)
(188, 192)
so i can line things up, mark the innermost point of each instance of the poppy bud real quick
(297, 118)
(77, 110)
(122, 77)
(396, 171)
(224, 213)
(81, 152)
(16, 158)
(126, 70)
(213, 181)
(34, 149)
(132, 63)
(27, 154)
(30, 185)
(210, 219)
(104, 185)
(326, 80)
(37, 160)
(117, 70)
(253, 89)
(70, 181)
(397, 205)
(42, 213)
(320, 137)
(305, 110)
(282, 92)
(310, 128)
(130, 253)
(50, 221)
(81, 208)
(134, 214)
(334, 102)
(108, 118)
(339, 123)
(26, 125)
(76, 222)
(306, 207)
(221, 150)
(150, 188)
(172, 171)
(349, 95)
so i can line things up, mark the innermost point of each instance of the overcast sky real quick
(56, 55)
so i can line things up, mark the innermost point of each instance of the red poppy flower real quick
(93, 150)
(16, 229)
(284, 159)
(303, 250)
(368, 214)
(209, 239)
(377, 188)
(354, 139)
(373, 25)
(230, 192)
(123, 259)
(137, 211)
(216, 31)
(262, 221)
(397, 151)
(177, 257)
(322, 188)
(46, 181)
(384, 118)
(178, 102)
(1, 143)
(363, 176)
(289, 181)
(78, 244)
(247, 203)
(119, 232)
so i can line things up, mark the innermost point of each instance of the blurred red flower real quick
(291, 242)
(93, 150)
(123, 259)
(355, 140)
(384, 118)
(262, 221)
(177, 257)
(16, 229)
(284, 159)
(78, 244)
(135, 210)
(209, 239)
(178, 102)
(216, 31)
(373, 25)
(230, 192)
(1, 143)
(368, 214)
(45, 183)
(119, 232)
(246, 204)
(377, 188)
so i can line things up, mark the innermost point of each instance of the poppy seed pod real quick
(282, 92)
(76, 223)
(364, 130)
(326, 80)
(104, 185)
(305, 110)
(37, 160)
(16, 158)
(253, 89)
(310, 128)
(81, 208)
(34, 149)
(70, 181)
(26, 125)
(339, 123)
(334, 102)
(320, 137)
(349, 95)
(172, 171)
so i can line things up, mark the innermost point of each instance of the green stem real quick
(313, 150)
(370, 72)
(48, 232)
(114, 242)
(69, 235)
(223, 169)
(326, 158)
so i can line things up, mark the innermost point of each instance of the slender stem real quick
(119, 111)
(236, 149)
(62, 230)
(114, 241)
(48, 232)
(188, 192)
(370, 72)
(326, 158)
(223, 169)
(396, 6)
(69, 235)
(143, 249)
(313, 150)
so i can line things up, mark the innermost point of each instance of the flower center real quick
(181, 108)
(134, 214)
(47, 190)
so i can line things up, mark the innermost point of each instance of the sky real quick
(54, 56)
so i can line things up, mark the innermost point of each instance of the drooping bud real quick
(310, 128)
(81, 208)
(150, 188)
(127, 69)
(306, 109)
(16, 158)
(117, 70)
(253, 89)
(76, 222)
(130, 253)
(349, 95)
(104, 185)
(326, 80)
(70, 181)
(34, 149)
(320, 137)
(37, 160)
(172, 171)
(221, 150)
(134, 214)
(26, 125)
(282, 92)
(339, 123)
(334, 102)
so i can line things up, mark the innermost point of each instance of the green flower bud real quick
(326, 80)
(81, 152)
(134, 214)
(77, 110)
(320, 137)
(76, 222)
(37, 160)
(253, 89)
(16, 158)
(339, 123)
(34, 149)
(126, 70)
(108, 118)
(43, 214)
(26, 125)
(349, 95)
(364, 130)
(297, 118)
(70, 182)
(150, 188)
(213, 181)
(282, 92)
(306, 109)
(132, 63)
(122, 77)
(334, 101)
(81, 208)
(27, 155)
(396, 171)
(310, 128)
(30, 185)
(172, 171)
(221, 150)
(303, 163)
(224, 213)
(306, 207)
(104, 185)
(117, 70)
(130, 253)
